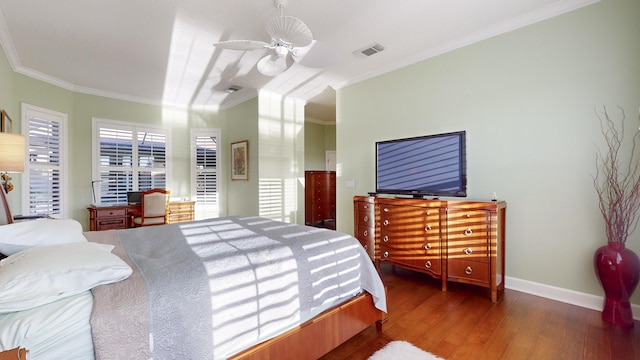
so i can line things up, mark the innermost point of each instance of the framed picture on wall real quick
(5, 122)
(240, 160)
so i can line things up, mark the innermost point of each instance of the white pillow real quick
(41, 232)
(45, 274)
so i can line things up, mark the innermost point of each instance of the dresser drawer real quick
(111, 223)
(423, 243)
(176, 218)
(406, 213)
(102, 213)
(424, 262)
(472, 271)
(409, 221)
(469, 250)
(365, 218)
(364, 207)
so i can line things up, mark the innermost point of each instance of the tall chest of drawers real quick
(460, 241)
(320, 198)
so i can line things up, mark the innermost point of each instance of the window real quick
(128, 157)
(204, 174)
(44, 181)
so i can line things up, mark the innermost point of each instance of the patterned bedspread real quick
(211, 288)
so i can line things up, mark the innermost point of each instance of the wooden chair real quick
(155, 208)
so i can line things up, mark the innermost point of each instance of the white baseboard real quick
(563, 295)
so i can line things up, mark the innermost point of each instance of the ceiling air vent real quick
(233, 88)
(369, 50)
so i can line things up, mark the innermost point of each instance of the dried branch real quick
(617, 181)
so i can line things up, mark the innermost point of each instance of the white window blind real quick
(129, 158)
(152, 158)
(204, 155)
(45, 176)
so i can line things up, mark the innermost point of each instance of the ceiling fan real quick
(291, 41)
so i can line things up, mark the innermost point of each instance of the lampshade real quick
(11, 152)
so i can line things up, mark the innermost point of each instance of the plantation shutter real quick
(152, 159)
(115, 164)
(129, 158)
(205, 160)
(44, 166)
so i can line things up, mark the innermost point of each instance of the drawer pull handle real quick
(386, 254)
(385, 209)
(468, 231)
(366, 247)
(427, 246)
(428, 213)
(365, 207)
(385, 238)
(366, 218)
(365, 233)
(427, 264)
(468, 251)
(467, 216)
(386, 222)
(427, 228)
(468, 270)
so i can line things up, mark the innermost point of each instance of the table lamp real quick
(11, 158)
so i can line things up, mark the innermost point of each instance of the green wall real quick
(526, 100)
(318, 139)
(245, 193)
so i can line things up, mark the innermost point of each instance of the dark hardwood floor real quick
(463, 323)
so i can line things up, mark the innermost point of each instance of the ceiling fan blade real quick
(290, 30)
(242, 45)
(317, 55)
(272, 65)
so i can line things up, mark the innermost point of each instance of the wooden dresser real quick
(452, 240)
(320, 198)
(119, 216)
(181, 211)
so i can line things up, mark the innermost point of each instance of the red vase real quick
(618, 270)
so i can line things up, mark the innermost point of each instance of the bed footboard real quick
(321, 334)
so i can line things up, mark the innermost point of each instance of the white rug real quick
(402, 350)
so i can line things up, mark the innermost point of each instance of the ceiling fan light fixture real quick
(272, 65)
(281, 50)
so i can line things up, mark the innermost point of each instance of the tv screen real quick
(432, 165)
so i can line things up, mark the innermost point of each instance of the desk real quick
(119, 216)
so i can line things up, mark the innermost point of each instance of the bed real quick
(239, 287)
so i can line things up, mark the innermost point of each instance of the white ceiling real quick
(161, 52)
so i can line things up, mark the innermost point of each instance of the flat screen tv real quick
(432, 165)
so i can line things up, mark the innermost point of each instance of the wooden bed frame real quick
(334, 327)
